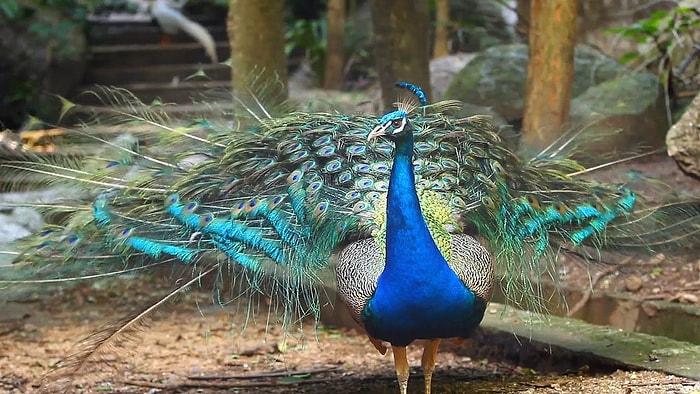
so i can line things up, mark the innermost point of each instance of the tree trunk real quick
(550, 71)
(442, 24)
(256, 34)
(522, 9)
(401, 45)
(335, 51)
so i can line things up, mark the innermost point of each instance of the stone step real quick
(180, 113)
(138, 55)
(167, 73)
(143, 33)
(182, 92)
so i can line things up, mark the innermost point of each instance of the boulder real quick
(508, 134)
(443, 71)
(482, 24)
(631, 108)
(683, 139)
(18, 222)
(496, 77)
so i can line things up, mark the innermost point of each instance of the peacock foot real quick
(402, 368)
(430, 350)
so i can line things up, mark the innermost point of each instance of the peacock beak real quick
(379, 130)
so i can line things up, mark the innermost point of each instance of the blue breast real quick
(418, 296)
(427, 304)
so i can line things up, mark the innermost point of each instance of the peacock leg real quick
(402, 369)
(428, 361)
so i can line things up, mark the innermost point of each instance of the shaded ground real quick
(665, 276)
(189, 347)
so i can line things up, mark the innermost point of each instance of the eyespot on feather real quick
(560, 208)
(360, 206)
(488, 202)
(275, 202)
(497, 168)
(172, 199)
(251, 205)
(314, 186)
(125, 233)
(294, 177)
(320, 209)
(533, 202)
(205, 219)
(191, 207)
(237, 208)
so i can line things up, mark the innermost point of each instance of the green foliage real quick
(20, 90)
(220, 3)
(73, 15)
(660, 29)
(48, 31)
(10, 8)
(667, 42)
(73, 10)
(309, 36)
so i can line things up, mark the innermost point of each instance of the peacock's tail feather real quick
(269, 197)
(263, 199)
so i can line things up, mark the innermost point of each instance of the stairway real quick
(129, 55)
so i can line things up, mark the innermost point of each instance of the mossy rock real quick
(683, 139)
(631, 108)
(496, 77)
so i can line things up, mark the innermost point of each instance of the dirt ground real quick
(199, 348)
(671, 275)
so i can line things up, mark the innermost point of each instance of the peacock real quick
(171, 20)
(416, 214)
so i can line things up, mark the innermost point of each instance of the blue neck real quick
(405, 225)
(417, 294)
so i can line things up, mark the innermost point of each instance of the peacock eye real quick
(396, 123)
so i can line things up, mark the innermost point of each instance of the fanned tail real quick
(534, 210)
(264, 198)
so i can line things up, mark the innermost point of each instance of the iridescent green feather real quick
(275, 197)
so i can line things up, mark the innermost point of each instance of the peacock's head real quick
(394, 125)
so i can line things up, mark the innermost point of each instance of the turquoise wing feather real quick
(265, 201)
(286, 192)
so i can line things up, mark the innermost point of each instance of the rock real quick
(685, 298)
(485, 23)
(630, 111)
(443, 71)
(18, 223)
(496, 77)
(468, 109)
(683, 139)
(633, 283)
(329, 101)
(301, 79)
